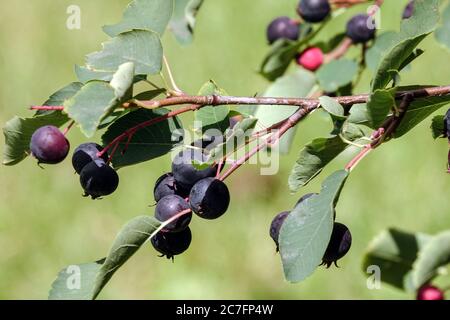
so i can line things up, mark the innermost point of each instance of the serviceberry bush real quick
(305, 73)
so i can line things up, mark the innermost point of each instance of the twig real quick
(177, 90)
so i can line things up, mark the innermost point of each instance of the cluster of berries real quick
(185, 190)
(340, 242)
(50, 146)
(360, 29)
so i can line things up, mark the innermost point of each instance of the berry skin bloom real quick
(314, 10)
(49, 145)
(361, 28)
(311, 59)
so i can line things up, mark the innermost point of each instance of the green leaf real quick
(18, 131)
(418, 111)
(141, 47)
(433, 255)
(60, 97)
(183, 20)
(394, 252)
(151, 15)
(312, 159)
(85, 281)
(381, 102)
(212, 117)
(352, 132)
(132, 236)
(122, 80)
(334, 108)
(438, 127)
(149, 95)
(279, 58)
(147, 143)
(75, 282)
(442, 34)
(412, 32)
(376, 52)
(95, 101)
(298, 84)
(336, 74)
(306, 232)
(359, 114)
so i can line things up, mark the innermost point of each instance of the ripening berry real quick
(275, 226)
(409, 10)
(170, 244)
(86, 153)
(170, 206)
(314, 10)
(429, 292)
(49, 145)
(361, 28)
(98, 179)
(339, 245)
(209, 198)
(282, 28)
(311, 59)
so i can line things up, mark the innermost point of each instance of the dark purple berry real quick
(409, 10)
(275, 226)
(429, 292)
(184, 172)
(98, 179)
(170, 206)
(166, 185)
(86, 153)
(339, 245)
(209, 198)
(170, 244)
(49, 145)
(283, 28)
(447, 124)
(314, 10)
(361, 28)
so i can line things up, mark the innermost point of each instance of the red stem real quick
(47, 108)
(68, 127)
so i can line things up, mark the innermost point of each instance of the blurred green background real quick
(45, 224)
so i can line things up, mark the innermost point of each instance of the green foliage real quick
(337, 74)
(397, 48)
(380, 104)
(432, 256)
(313, 158)
(94, 276)
(306, 232)
(300, 83)
(212, 117)
(142, 47)
(147, 143)
(183, 21)
(437, 126)
(334, 108)
(143, 14)
(394, 252)
(443, 32)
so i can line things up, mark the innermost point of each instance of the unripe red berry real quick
(311, 59)
(429, 292)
